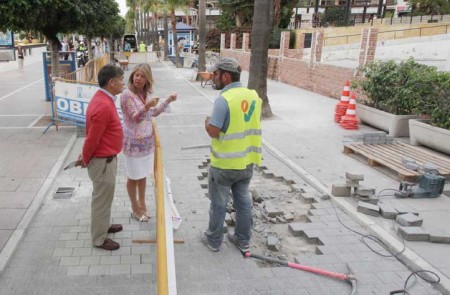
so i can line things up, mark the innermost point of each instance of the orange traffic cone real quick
(350, 121)
(341, 106)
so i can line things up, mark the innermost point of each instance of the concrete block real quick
(439, 237)
(387, 211)
(272, 210)
(368, 209)
(403, 209)
(364, 191)
(354, 176)
(273, 243)
(352, 183)
(409, 219)
(372, 200)
(413, 233)
(340, 190)
(308, 198)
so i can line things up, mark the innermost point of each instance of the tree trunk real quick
(261, 30)
(175, 39)
(277, 13)
(166, 36)
(202, 37)
(89, 47)
(54, 49)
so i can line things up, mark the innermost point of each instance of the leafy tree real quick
(334, 15)
(430, 7)
(51, 17)
(99, 19)
(262, 26)
(235, 13)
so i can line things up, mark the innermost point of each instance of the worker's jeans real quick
(220, 183)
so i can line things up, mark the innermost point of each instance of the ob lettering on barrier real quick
(71, 109)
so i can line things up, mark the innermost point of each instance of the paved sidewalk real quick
(302, 144)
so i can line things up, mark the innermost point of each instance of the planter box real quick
(427, 135)
(395, 125)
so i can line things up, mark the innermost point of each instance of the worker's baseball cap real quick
(228, 64)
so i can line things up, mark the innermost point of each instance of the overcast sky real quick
(122, 7)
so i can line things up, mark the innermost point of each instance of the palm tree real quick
(202, 36)
(172, 5)
(261, 31)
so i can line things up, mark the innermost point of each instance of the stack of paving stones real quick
(377, 137)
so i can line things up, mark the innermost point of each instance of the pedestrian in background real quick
(235, 129)
(104, 138)
(20, 57)
(138, 108)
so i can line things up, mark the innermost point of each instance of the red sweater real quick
(104, 135)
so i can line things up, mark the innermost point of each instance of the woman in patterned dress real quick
(138, 108)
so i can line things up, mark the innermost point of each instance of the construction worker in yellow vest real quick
(235, 129)
(142, 47)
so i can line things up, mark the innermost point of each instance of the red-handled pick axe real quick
(349, 278)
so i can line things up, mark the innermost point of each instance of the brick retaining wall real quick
(286, 65)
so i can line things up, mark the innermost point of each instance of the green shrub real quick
(407, 88)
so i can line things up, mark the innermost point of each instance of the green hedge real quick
(407, 88)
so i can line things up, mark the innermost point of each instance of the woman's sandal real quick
(142, 218)
(147, 214)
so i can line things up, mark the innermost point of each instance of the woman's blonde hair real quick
(148, 87)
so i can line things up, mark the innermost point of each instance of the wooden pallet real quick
(391, 155)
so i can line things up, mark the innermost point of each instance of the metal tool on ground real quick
(349, 278)
(431, 185)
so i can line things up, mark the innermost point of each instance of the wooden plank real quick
(375, 159)
(347, 150)
(428, 156)
(419, 158)
(391, 156)
(381, 159)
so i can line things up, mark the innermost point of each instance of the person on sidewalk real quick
(104, 138)
(138, 109)
(142, 47)
(20, 57)
(235, 129)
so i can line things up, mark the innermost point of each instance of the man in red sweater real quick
(104, 137)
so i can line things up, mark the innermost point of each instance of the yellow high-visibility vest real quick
(142, 47)
(241, 144)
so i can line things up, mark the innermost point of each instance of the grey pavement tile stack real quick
(374, 137)
(56, 255)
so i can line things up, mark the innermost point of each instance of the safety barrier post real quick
(161, 249)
